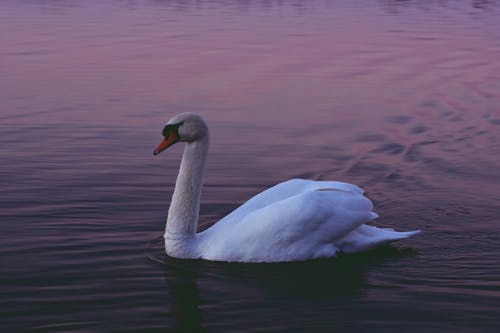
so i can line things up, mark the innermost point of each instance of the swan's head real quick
(187, 127)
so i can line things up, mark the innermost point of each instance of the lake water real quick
(399, 97)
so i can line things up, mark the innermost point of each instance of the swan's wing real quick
(283, 191)
(300, 227)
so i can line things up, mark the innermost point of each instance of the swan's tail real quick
(367, 237)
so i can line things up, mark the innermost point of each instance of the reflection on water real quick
(400, 97)
(201, 291)
(394, 6)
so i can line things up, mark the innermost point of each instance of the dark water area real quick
(399, 97)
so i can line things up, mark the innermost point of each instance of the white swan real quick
(295, 220)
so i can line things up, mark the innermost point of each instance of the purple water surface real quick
(399, 97)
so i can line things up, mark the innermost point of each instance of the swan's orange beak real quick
(167, 142)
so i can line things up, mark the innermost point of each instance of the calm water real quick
(400, 97)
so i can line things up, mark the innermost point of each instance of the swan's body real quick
(294, 220)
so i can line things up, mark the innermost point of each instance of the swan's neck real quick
(182, 220)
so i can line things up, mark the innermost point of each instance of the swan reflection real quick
(206, 295)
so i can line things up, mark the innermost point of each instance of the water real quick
(399, 97)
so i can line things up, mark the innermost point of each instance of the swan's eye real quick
(166, 131)
(171, 127)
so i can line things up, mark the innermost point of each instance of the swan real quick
(293, 221)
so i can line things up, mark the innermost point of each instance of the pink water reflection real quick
(400, 97)
(326, 74)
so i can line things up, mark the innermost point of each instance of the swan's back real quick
(294, 220)
(285, 190)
